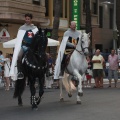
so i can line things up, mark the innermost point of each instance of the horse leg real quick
(19, 88)
(67, 84)
(61, 90)
(80, 92)
(41, 89)
(20, 100)
(70, 90)
(33, 91)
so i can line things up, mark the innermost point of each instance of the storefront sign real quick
(76, 13)
(4, 35)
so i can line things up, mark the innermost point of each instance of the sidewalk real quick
(105, 81)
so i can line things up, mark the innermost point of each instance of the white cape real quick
(60, 57)
(13, 69)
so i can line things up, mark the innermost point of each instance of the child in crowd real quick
(89, 72)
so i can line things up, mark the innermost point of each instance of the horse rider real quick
(24, 38)
(68, 44)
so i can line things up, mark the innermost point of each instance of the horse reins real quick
(81, 47)
(79, 51)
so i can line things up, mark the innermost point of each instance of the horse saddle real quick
(67, 59)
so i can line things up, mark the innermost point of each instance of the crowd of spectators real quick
(5, 63)
(99, 67)
(102, 66)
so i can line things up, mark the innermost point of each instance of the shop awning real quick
(11, 43)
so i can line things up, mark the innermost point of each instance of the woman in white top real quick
(49, 75)
(7, 70)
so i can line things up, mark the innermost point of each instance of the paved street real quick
(97, 104)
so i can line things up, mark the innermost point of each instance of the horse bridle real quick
(81, 46)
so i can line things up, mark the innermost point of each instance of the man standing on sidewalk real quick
(97, 61)
(113, 67)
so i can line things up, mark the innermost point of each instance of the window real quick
(94, 7)
(100, 16)
(47, 7)
(63, 11)
(37, 2)
(65, 8)
(99, 46)
(84, 6)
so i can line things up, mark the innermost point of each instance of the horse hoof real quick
(80, 93)
(69, 95)
(79, 102)
(35, 109)
(61, 99)
(20, 103)
(38, 100)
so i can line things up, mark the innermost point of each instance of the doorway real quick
(99, 46)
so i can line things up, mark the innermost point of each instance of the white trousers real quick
(49, 81)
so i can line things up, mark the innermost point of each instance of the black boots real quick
(20, 74)
(34, 102)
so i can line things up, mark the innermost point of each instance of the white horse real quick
(76, 67)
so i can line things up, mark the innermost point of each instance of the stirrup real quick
(20, 75)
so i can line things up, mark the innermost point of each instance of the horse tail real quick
(19, 87)
(68, 83)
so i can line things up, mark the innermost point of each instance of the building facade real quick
(118, 21)
(101, 21)
(102, 36)
(12, 17)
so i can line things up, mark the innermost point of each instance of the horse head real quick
(85, 42)
(39, 41)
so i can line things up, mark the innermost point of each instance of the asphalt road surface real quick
(97, 104)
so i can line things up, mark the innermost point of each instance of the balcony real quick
(13, 11)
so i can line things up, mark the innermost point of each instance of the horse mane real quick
(39, 40)
(36, 55)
